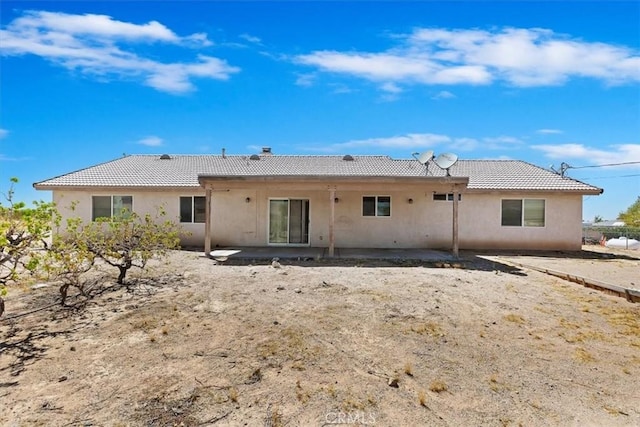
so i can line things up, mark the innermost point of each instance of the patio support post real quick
(332, 204)
(455, 220)
(207, 222)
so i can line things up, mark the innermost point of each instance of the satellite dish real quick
(424, 157)
(446, 160)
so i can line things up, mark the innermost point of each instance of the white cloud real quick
(519, 57)
(339, 88)
(549, 131)
(3, 133)
(391, 88)
(306, 80)
(250, 38)
(388, 67)
(5, 158)
(151, 141)
(465, 144)
(198, 39)
(417, 141)
(443, 94)
(410, 142)
(592, 156)
(95, 45)
(92, 25)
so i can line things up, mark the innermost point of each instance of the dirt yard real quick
(318, 343)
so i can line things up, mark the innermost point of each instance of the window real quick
(523, 212)
(376, 206)
(446, 197)
(192, 209)
(109, 206)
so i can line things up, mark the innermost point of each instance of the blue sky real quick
(545, 82)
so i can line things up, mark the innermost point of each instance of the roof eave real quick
(59, 187)
(203, 178)
(586, 192)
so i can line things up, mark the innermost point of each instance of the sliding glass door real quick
(289, 221)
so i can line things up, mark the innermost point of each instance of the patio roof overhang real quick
(321, 182)
(329, 183)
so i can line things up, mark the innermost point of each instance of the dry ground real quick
(193, 343)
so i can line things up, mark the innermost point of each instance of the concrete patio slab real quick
(309, 253)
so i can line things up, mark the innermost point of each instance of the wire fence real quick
(595, 235)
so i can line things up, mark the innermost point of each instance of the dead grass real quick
(376, 295)
(515, 318)
(422, 398)
(428, 328)
(274, 417)
(351, 402)
(233, 394)
(438, 386)
(566, 324)
(331, 391)
(408, 369)
(535, 404)
(289, 344)
(302, 395)
(542, 309)
(583, 355)
(144, 323)
(613, 411)
(627, 319)
(584, 336)
(494, 384)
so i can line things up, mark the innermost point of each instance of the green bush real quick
(23, 231)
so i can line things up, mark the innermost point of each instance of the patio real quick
(311, 253)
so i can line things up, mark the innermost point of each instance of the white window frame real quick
(522, 212)
(110, 196)
(376, 214)
(448, 197)
(193, 210)
(268, 228)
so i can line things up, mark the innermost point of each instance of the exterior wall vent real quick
(165, 157)
(348, 158)
(254, 157)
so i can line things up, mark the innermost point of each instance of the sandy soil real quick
(194, 343)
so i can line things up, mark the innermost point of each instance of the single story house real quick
(336, 201)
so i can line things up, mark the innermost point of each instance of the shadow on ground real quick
(25, 348)
(465, 263)
(582, 254)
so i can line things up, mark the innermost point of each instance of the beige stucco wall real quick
(143, 202)
(480, 217)
(425, 223)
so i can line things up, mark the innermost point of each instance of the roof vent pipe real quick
(224, 153)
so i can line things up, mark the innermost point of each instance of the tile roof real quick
(183, 171)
